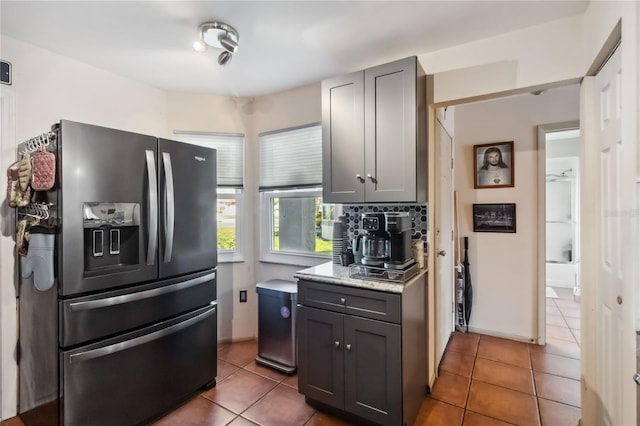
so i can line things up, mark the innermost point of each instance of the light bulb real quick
(199, 46)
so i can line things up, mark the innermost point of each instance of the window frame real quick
(237, 255)
(267, 254)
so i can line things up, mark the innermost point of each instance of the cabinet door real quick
(320, 358)
(390, 132)
(373, 370)
(343, 138)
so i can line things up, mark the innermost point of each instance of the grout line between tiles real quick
(535, 387)
(561, 403)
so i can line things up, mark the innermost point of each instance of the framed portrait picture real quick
(494, 218)
(493, 165)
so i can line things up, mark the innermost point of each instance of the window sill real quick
(294, 260)
(230, 257)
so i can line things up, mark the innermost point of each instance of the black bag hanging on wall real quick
(463, 292)
(468, 289)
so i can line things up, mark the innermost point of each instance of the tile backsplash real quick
(419, 216)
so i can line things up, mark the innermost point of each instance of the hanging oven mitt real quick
(39, 261)
(24, 167)
(23, 198)
(43, 170)
(13, 184)
(16, 197)
(22, 236)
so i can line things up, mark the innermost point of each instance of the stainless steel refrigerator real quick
(129, 328)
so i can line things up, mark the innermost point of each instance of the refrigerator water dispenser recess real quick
(111, 236)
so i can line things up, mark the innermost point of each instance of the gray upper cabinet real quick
(343, 138)
(374, 135)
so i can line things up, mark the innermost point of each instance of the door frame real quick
(542, 229)
(444, 292)
(8, 301)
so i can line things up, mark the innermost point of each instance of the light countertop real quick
(335, 274)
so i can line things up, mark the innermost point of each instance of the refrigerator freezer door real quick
(104, 173)
(133, 378)
(187, 182)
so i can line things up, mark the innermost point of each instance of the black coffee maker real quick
(375, 244)
(398, 230)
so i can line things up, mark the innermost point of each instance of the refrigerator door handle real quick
(132, 297)
(153, 207)
(128, 344)
(169, 206)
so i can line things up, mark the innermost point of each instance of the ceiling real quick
(283, 44)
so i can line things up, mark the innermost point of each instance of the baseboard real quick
(503, 335)
(238, 340)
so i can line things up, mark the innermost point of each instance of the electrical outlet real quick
(243, 296)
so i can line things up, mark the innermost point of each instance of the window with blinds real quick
(291, 158)
(291, 197)
(230, 154)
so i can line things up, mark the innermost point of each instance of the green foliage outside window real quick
(226, 238)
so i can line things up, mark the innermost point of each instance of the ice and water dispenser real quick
(111, 235)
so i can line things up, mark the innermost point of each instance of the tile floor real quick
(483, 380)
(490, 381)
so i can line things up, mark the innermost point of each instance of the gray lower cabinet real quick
(351, 356)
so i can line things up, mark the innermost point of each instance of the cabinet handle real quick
(348, 346)
(343, 300)
(360, 178)
(337, 344)
(371, 178)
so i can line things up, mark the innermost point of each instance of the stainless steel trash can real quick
(277, 300)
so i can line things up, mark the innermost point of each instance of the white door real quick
(443, 239)
(615, 335)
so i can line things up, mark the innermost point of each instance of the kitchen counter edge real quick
(335, 274)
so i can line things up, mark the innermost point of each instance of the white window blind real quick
(291, 158)
(230, 154)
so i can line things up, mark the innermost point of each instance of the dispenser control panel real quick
(371, 224)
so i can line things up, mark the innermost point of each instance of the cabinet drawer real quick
(350, 300)
(89, 318)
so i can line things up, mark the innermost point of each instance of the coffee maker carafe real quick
(398, 227)
(375, 244)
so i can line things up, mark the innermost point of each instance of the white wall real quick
(50, 87)
(504, 266)
(536, 56)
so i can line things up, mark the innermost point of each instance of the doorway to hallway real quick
(559, 322)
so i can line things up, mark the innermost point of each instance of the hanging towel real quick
(39, 261)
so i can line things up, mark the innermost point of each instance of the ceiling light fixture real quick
(220, 36)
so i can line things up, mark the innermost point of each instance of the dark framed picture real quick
(493, 165)
(494, 218)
